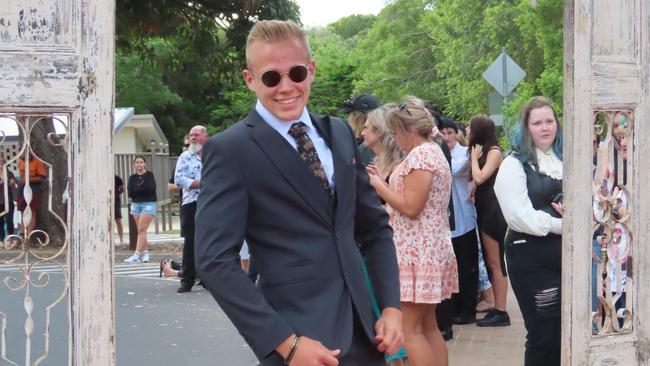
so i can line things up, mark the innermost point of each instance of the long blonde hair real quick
(391, 155)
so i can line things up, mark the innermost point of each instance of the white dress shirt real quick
(464, 210)
(283, 127)
(512, 193)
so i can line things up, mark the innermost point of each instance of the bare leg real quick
(434, 337)
(167, 269)
(143, 225)
(419, 349)
(493, 262)
(120, 229)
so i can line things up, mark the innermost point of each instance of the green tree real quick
(334, 71)
(352, 26)
(468, 35)
(193, 54)
(395, 58)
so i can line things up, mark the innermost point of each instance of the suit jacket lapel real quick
(290, 164)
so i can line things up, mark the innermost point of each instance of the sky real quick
(322, 12)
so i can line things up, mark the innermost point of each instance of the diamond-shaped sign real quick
(504, 74)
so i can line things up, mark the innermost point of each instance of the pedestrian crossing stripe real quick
(139, 270)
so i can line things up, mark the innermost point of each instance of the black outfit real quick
(7, 218)
(445, 310)
(188, 275)
(535, 266)
(367, 155)
(142, 188)
(118, 204)
(488, 213)
(466, 250)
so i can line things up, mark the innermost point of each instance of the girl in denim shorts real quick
(141, 189)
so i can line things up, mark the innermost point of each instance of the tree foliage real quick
(352, 26)
(395, 58)
(183, 60)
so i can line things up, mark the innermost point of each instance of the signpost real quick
(504, 75)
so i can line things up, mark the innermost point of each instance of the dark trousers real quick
(445, 315)
(8, 219)
(466, 250)
(187, 228)
(534, 264)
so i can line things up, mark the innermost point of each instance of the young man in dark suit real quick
(291, 183)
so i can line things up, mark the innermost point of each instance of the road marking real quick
(137, 270)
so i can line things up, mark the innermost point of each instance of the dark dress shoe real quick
(184, 287)
(495, 318)
(464, 319)
(447, 334)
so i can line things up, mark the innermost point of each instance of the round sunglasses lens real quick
(271, 78)
(298, 74)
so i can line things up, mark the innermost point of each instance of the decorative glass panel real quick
(34, 278)
(612, 240)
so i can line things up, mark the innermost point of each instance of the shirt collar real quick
(278, 124)
(548, 152)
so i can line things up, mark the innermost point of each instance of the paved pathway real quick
(502, 346)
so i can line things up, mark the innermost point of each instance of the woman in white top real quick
(528, 187)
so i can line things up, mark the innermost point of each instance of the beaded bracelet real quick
(292, 352)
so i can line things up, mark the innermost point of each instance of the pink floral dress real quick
(427, 264)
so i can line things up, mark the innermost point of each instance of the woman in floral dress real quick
(417, 198)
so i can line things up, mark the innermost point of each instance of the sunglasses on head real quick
(402, 107)
(272, 78)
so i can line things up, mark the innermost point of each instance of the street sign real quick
(495, 108)
(504, 74)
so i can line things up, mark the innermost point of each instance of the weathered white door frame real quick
(58, 57)
(607, 68)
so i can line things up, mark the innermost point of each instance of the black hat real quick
(446, 122)
(361, 103)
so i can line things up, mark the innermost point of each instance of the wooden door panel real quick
(57, 59)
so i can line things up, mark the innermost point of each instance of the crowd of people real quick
(396, 208)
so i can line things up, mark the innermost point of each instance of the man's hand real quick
(390, 335)
(308, 352)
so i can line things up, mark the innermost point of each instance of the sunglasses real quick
(402, 107)
(272, 78)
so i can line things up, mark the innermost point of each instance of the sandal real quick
(484, 306)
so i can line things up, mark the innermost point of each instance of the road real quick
(154, 324)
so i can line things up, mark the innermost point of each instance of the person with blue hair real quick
(529, 189)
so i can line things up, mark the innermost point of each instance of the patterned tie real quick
(308, 153)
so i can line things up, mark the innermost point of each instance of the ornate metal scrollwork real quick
(612, 240)
(22, 255)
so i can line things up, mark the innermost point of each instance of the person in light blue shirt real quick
(464, 238)
(188, 177)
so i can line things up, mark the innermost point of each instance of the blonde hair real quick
(391, 155)
(411, 115)
(357, 120)
(272, 31)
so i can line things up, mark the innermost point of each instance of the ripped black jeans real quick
(535, 272)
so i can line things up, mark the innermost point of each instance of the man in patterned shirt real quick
(188, 177)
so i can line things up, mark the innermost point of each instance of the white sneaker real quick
(145, 257)
(133, 259)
